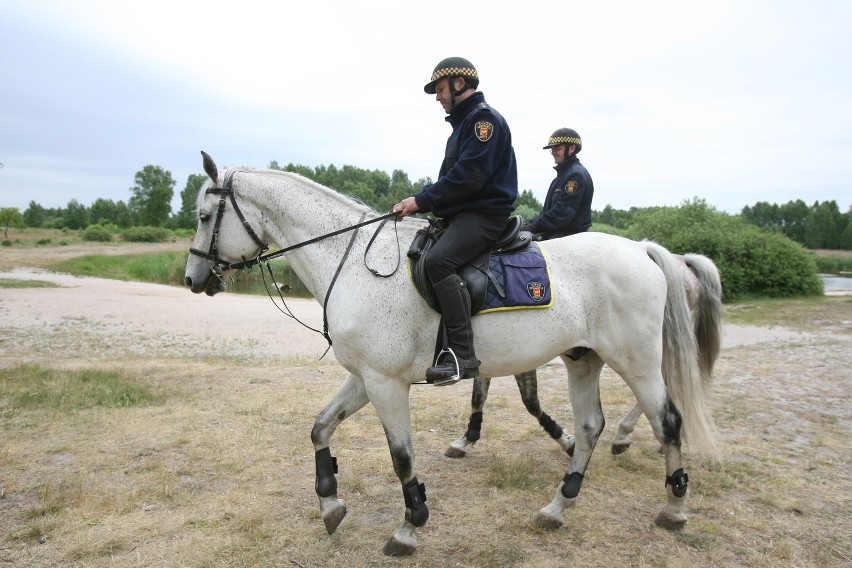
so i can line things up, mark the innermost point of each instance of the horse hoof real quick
(670, 521)
(458, 449)
(546, 521)
(334, 517)
(620, 448)
(455, 453)
(567, 443)
(397, 547)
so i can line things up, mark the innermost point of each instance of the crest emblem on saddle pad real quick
(570, 187)
(536, 291)
(483, 130)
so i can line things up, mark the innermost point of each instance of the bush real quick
(608, 229)
(146, 234)
(751, 261)
(97, 233)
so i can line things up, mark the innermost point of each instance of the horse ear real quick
(210, 167)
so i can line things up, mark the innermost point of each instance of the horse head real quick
(225, 236)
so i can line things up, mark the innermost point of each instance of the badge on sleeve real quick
(483, 130)
(570, 187)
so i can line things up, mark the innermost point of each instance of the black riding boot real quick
(455, 306)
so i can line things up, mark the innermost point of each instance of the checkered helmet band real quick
(554, 140)
(454, 71)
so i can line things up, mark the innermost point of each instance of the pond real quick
(836, 285)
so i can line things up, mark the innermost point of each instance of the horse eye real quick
(203, 217)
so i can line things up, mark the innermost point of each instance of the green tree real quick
(76, 215)
(10, 217)
(527, 199)
(34, 215)
(824, 226)
(150, 201)
(763, 214)
(103, 211)
(185, 218)
(794, 219)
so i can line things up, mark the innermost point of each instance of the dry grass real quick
(221, 474)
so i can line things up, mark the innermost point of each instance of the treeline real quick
(761, 251)
(817, 226)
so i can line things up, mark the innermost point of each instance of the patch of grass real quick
(512, 473)
(811, 313)
(37, 387)
(169, 267)
(15, 283)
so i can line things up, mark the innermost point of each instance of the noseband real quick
(212, 255)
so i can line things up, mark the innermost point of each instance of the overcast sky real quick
(731, 101)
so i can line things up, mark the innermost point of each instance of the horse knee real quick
(671, 422)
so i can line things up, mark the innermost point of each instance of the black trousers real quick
(467, 235)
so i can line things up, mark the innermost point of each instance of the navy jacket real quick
(479, 171)
(568, 206)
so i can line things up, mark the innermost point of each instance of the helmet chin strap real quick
(454, 92)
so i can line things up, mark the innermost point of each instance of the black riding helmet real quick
(565, 136)
(453, 67)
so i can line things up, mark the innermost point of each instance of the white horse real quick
(623, 300)
(704, 295)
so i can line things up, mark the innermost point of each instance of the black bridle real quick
(218, 266)
(212, 254)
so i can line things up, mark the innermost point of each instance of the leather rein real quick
(218, 266)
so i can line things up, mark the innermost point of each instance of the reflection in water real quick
(252, 282)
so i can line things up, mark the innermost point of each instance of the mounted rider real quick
(568, 205)
(474, 196)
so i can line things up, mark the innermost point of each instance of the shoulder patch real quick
(571, 187)
(483, 131)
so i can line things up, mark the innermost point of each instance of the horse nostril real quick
(188, 281)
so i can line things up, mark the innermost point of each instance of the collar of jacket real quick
(566, 164)
(462, 109)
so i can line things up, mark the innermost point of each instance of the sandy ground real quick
(105, 318)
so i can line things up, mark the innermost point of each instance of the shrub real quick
(751, 261)
(146, 234)
(97, 233)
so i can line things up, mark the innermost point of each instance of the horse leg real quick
(528, 385)
(666, 422)
(584, 387)
(390, 398)
(350, 397)
(622, 440)
(459, 448)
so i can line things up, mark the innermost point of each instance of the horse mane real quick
(345, 199)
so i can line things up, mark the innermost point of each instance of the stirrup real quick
(452, 379)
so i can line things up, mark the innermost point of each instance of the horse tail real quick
(707, 313)
(683, 378)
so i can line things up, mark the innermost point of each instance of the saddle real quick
(476, 275)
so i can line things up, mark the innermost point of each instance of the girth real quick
(476, 274)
